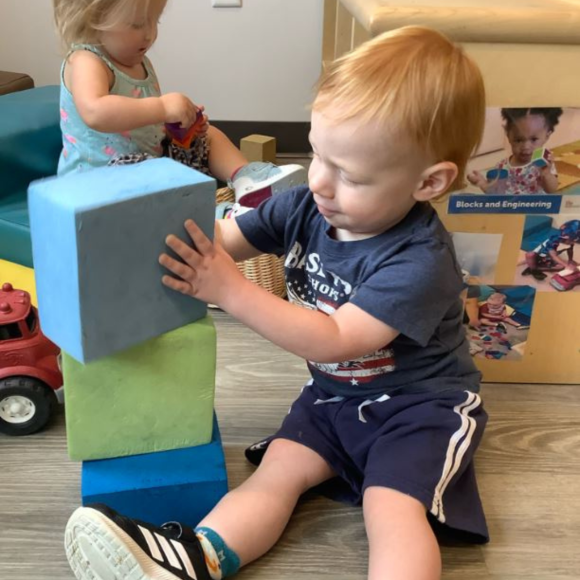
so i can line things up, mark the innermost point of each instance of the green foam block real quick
(156, 396)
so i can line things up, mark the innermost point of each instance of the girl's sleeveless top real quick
(83, 147)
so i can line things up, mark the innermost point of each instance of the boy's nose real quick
(319, 182)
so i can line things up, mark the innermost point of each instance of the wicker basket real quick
(266, 270)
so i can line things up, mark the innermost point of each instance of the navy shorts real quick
(419, 444)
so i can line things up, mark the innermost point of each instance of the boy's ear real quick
(436, 180)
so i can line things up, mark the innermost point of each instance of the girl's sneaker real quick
(223, 210)
(101, 544)
(228, 210)
(257, 181)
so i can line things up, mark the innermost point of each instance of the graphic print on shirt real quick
(312, 286)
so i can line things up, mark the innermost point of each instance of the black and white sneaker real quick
(101, 544)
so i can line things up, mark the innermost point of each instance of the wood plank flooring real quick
(528, 465)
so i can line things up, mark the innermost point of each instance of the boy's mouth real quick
(326, 212)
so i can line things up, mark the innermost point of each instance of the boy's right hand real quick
(179, 109)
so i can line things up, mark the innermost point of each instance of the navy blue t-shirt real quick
(407, 277)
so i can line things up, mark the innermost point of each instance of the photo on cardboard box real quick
(528, 162)
(477, 255)
(549, 257)
(497, 320)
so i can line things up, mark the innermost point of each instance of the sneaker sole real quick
(98, 549)
(290, 181)
(299, 177)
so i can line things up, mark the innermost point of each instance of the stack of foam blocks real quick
(138, 358)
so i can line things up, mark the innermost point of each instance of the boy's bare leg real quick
(252, 517)
(224, 156)
(402, 545)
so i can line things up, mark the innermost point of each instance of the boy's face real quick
(496, 299)
(128, 41)
(526, 135)
(362, 175)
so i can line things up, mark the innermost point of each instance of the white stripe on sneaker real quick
(151, 543)
(185, 559)
(168, 551)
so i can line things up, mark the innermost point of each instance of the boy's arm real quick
(347, 334)
(88, 80)
(230, 237)
(558, 259)
(208, 273)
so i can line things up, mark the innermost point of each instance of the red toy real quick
(29, 366)
(566, 280)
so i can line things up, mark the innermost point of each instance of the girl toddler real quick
(112, 110)
(527, 130)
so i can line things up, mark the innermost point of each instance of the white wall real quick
(255, 63)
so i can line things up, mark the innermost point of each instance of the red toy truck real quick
(30, 371)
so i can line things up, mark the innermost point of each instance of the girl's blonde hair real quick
(81, 21)
(416, 80)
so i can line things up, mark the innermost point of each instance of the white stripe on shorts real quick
(463, 435)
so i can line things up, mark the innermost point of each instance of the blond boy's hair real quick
(81, 21)
(417, 81)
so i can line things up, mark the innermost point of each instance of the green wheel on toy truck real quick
(26, 405)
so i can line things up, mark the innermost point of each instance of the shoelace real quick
(174, 528)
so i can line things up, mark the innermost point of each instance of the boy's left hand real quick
(207, 272)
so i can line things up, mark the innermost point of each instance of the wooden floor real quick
(529, 474)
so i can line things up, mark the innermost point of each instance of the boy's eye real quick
(348, 180)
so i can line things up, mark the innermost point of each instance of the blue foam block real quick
(181, 485)
(96, 239)
(30, 144)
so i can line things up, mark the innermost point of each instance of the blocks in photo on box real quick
(181, 485)
(155, 396)
(96, 240)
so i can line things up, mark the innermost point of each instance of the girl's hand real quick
(204, 125)
(207, 272)
(478, 179)
(547, 169)
(179, 109)
(548, 175)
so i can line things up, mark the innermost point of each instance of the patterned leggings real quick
(196, 157)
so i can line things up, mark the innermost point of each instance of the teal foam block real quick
(182, 485)
(96, 239)
(30, 145)
(155, 396)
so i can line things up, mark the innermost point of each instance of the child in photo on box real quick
(527, 130)
(112, 110)
(494, 312)
(554, 254)
(391, 418)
